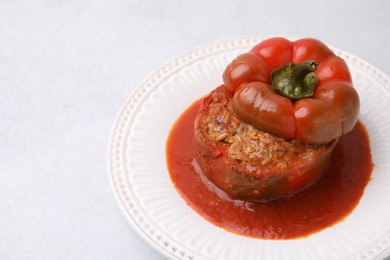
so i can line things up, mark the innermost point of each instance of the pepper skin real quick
(329, 113)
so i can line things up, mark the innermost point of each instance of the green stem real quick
(295, 81)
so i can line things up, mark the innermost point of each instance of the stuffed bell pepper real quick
(269, 130)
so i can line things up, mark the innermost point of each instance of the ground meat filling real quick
(250, 145)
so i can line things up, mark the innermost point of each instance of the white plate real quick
(143, 188)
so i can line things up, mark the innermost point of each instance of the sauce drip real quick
(320, 206)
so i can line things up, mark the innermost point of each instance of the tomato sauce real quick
(320, 206)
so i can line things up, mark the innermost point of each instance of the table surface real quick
(66, 67)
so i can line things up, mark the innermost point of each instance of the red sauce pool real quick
(320, 206)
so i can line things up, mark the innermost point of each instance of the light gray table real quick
(66, 67)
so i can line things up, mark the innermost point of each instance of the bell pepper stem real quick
(295, 81)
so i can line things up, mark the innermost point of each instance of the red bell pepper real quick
(294, 89)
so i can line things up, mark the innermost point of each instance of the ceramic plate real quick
(143, 188)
